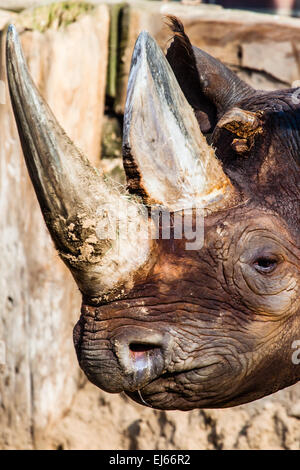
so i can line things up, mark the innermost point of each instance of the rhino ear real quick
(181, 58)
(244, 127)
(210, 87)
(166, 158)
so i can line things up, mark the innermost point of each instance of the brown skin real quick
(231, 319)
(228, 313)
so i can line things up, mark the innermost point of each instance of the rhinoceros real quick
(206, 317)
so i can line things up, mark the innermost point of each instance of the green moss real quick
(55, 15)
(114, 37)
(122, 72)
(111, 138)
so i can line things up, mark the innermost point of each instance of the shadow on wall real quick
(282, 6)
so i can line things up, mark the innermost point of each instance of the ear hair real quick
(183, 42)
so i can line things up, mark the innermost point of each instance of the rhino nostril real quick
(140, 353)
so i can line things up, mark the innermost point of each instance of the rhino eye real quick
(265, 264)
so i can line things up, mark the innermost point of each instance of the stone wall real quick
(78, 55)
(39, 302)
(247, 42)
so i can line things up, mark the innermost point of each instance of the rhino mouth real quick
(173, 390)
(140, 361)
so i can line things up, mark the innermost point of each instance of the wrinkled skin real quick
(227, 324)
(230, 312)
(205, 328)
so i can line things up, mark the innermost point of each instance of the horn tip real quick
(144, 38)
(12, 40)
(12, 32)
(13, 49)
(143, 34)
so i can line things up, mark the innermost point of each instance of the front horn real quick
(99, 233)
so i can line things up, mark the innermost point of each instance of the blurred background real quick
(270, 6)
(79, 56)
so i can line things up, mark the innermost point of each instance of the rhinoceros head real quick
(190, 277)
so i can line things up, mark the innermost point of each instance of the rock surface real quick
(39, 302)
(101, 421)
(246, 41)
(69, 66)
(18, 5)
